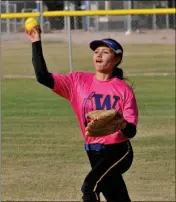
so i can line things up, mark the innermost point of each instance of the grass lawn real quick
(42, 149)
(137, 58)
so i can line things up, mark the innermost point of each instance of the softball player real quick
(112, 155)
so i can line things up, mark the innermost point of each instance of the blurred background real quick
(96, 23)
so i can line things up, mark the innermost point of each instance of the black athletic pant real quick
(108, 165)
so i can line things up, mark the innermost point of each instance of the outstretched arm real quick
(59, 83)
(42, 75)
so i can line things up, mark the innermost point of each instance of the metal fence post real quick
(154, 19)
(7, 20)
(0, 56)
(39, 6)
(41, 16)
(65, 18)
(97, 17)
(129, 19)
(0, 23)
(15, 20)
(107, 7)
(88, 17)
(69, 43)
(167, 21)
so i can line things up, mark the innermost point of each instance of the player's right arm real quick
(60, 84)
(42, 75)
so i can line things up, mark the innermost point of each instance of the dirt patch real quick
(166, 36)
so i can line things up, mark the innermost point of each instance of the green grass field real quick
(42, 149)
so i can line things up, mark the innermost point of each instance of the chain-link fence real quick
(17, 25)
(92, 23)
(8, 25)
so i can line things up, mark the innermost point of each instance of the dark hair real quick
(118, 72)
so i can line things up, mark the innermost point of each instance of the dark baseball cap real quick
(111, 43)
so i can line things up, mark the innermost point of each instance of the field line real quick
(149, 53)
(17, 76)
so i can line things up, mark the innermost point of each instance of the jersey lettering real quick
(99, 102)
(105, 101)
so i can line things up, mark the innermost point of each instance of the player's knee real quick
(86, 187)
(89, 195)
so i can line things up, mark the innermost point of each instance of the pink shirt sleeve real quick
(63, 85)
(130, 109)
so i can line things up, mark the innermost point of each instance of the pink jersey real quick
(86, 93)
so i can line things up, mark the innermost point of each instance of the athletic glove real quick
(104, 122)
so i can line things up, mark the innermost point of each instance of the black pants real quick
(108, 165)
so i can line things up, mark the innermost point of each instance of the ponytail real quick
(118, 72)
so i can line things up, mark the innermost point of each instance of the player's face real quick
(104, 59)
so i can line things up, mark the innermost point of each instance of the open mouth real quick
(98, 61)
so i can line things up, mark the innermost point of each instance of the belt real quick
(94, 147)
(99, 147)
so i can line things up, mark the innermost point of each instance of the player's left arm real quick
(130, 114)
(129, 130)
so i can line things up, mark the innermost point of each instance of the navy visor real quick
(111, 43)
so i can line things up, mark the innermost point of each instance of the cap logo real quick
(108, 42)
(118, 51)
